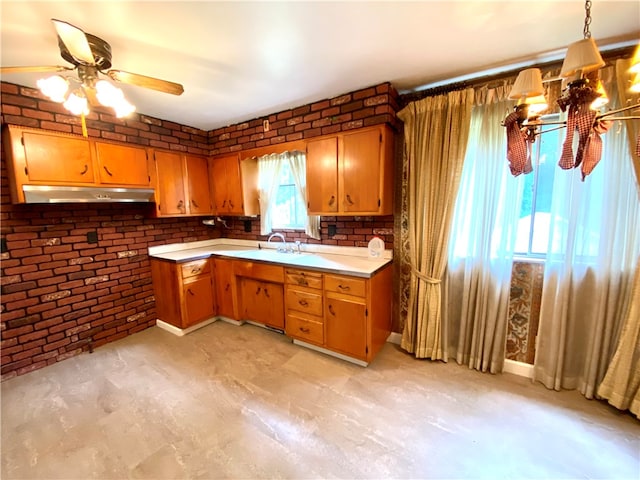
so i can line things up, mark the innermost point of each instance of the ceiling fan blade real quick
(50, 68)
(75, 40)
(147, 82)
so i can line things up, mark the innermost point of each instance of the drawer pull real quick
(190, 292)
(195, 270)
(305, 330)
(107, 170)
(86, 169)
(344, 287)
(303, 282)
(331, 310)
(304, 303)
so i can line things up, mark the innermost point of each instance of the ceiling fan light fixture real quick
(54, 87)
(76, 103)
(107, 94)
(123, 108)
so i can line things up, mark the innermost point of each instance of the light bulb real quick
(635, 85)
(107, 94)
(77, 103)
(123, 108)
(602, 100)
(54, 87)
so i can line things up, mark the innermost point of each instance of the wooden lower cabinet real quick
(346, 325)
(262, 302)
(183, 292)
(225, 286)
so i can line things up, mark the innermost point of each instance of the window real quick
(290, 210)
(535, 210)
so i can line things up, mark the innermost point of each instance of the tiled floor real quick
(243, 402)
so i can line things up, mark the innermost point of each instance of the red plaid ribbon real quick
(593, 150)
(518, 153)
(580, 118)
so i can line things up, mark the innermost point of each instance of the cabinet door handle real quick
(86, 169)
(224, 203)
(331, 311)
(349, 200)
(266, 293)
(332, 200)
(180, 205)
(107, 170)
(193, 202)
(344, 287)
(305, 330)
(230, 204)
(304, 303)
(258, 290)
(190, 292)
(226, 289)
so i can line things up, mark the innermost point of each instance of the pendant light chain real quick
(587, 19)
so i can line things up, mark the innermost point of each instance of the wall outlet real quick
(92, 237)
(3, 245)
(247, 226)
(265, 125)
(332, 230)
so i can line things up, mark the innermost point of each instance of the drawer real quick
(304, 328)
(259, 271)
(304, 301)
(196, 267)
(303, 278)
(347, 285)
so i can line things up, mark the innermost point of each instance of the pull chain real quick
(587, 19)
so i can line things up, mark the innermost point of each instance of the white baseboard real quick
(518, 368)
(394, 337)
(180, 332)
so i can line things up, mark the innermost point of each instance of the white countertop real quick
(346, 260)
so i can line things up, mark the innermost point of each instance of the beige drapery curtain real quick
(621, 384)
(483, 235)
(436, 130)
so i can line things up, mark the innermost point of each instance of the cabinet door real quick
(170, 194)
(322, 176)
(234, 186)
(225, 289)
(360, 172)
(262, 302)
(219, 184)
(198, 300)
(346, 325)
(57, 159)
(198, 185)
(122, 165)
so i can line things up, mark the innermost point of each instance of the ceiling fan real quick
(90, 57)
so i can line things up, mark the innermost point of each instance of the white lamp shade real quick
(527, 85)
(54, 87)
(582, 56)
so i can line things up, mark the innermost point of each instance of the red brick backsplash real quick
(62, 295)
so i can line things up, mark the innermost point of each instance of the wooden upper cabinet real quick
(182, 184)
(351, 173)
(234, 184)
(55, 159)
(122, 164)
(170, 197)
(199, 192)
(322, 175)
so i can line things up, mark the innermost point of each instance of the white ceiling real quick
(242, 60)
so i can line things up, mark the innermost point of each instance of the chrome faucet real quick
(283, 248)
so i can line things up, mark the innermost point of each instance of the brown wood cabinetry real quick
(351, 173)
(235, 185)
(122, 164)
(260, 292)
(304, 301)
(182, 185)
(44, 158)
(225, 283)
(184, 292)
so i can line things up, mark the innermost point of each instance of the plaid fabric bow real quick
(593, 150)
(581, 118)
(518, 153)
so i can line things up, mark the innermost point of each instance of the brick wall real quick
(62, 295)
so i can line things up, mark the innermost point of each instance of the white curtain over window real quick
(268, 183)
(297, 162)
(594, 245)
(482, 241)
(269, 169)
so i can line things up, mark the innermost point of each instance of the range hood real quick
(61, 194)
